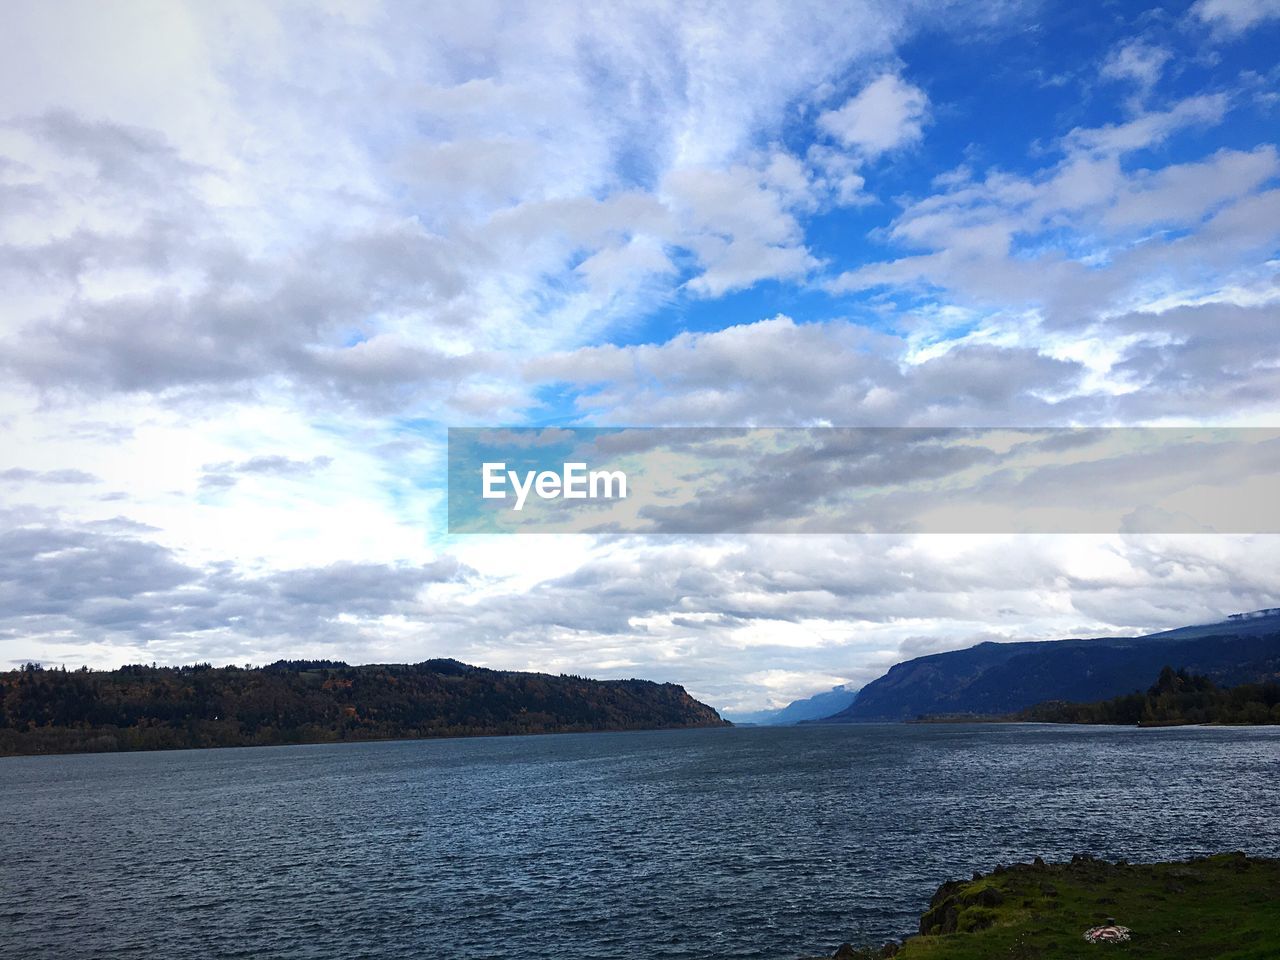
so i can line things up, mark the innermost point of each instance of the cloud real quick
(365, 588)
(75, 586)
(740, 223)
(49, 571)
(1051, 259)
(23, 475)
(228, 474)
(1151, 128)
(1182, 194)
(886, 114)
(777, 372)
(837, 170)
(345, 244)
(1205, 358)
(1230, 18)
(687, 608)
(1139, 63)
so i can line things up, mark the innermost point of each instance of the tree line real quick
(1177, 697)
(140, 707)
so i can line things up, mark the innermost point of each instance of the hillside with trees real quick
(1176, 698)
(998, 679)
(157, 708)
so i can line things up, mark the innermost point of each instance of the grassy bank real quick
(1225, 907)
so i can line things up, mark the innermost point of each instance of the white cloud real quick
(739, 222)
(885, 114)
(1182, 194)
(777, 372)
(1089, 238)
(1152, 128)
(1139, 63)
(1230, 18)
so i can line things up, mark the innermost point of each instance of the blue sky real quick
(1000, 98)
(259, 256)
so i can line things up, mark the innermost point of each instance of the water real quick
(744, 843)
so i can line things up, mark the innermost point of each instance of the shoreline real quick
(1221, 905)
(357, 742)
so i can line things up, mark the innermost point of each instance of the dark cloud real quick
(131, 157)
(103, 578)
(366, 588)
(304, 313)
(58, 571)
(1200, 360)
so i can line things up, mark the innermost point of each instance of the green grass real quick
(1225, 907)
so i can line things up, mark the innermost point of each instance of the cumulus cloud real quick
(885, 114)
(739, 223)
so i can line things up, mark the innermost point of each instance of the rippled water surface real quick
(739, 843)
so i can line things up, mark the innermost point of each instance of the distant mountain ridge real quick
(816, 707)
(318, 701)
(1001, 678)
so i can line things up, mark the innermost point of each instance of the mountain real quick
(798, 711)
(1001, 678)
(318, 701)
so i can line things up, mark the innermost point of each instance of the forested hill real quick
(156, 708)
(1002, 678)
(1177, 697)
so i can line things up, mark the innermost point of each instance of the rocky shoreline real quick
(1222, 906)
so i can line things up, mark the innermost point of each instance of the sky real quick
(258, 257)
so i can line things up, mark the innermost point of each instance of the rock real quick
(952, 909)
(945, 891)
(988, 897)
(940, 919)
(847, 951)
